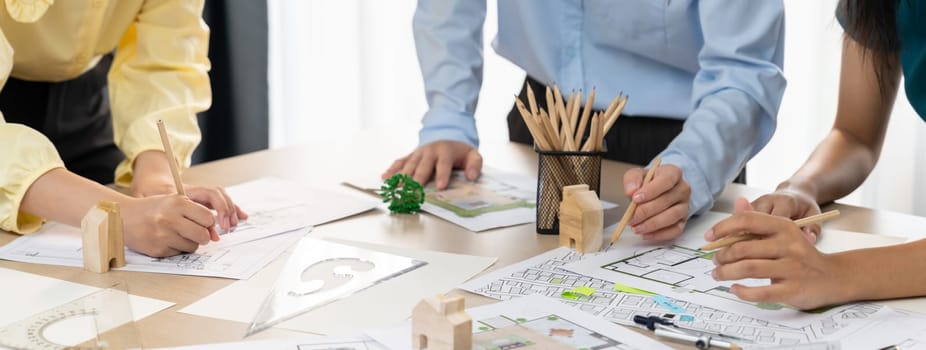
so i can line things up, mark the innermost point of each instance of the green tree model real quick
(404, 194)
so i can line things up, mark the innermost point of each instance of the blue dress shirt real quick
(714, 63)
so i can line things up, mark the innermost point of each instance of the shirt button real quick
(571, 51)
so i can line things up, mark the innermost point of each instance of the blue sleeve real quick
(448, 39)
(735, 96)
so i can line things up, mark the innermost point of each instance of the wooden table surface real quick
(371, 152)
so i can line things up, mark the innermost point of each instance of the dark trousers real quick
(73, 114)
(636, 140)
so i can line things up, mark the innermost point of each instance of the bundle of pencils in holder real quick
(570, 146)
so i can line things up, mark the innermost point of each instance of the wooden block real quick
(581, 219)
(103, 241)
(441, 323)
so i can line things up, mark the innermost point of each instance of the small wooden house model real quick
(581, 219)
(440, 323)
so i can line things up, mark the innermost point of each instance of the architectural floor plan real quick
(542, 275)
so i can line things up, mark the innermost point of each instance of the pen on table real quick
(655, 322)
(699, 341)
(171, 161)
(727, 241)
(633, 206)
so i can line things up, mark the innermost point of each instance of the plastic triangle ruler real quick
(113, 325)
(319, 272)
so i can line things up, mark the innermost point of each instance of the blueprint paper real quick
(679, 270)
(274, 206)
(299, 343)
(496, 199)
(543, 274)
(540, 314)
(443, 272)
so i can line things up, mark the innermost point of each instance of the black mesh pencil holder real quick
(556, 169)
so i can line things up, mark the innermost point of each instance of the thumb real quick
(473, 165)
(633, 179)
(741, 205)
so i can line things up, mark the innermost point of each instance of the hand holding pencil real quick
(228, 213)
(800, 275)
(632, 207)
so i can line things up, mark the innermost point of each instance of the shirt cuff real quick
(31, 156)
(701, 197)
(142, 135)
(448, 127)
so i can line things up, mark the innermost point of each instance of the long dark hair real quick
(873, 24)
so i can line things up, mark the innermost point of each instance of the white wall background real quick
(328, 56)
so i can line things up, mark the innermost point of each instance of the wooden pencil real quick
(570, 102)
(583, 121)
(633, 206)
(616, 113)
(560, 106)
(539, 136)
(171, 161)
(532, 102)
(555, 142)
(727, 241)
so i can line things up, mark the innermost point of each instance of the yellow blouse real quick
(159, 72)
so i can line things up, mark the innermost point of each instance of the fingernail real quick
(715, 275)
(709, 235)
(639, 197)
(637, 229)
(227, 223)
(630, 186)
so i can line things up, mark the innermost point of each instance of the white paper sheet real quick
(543, 275)
(386, 303)
(59, 244)
(887, 328)
(275, 207)
(542, 315)
(497, 199)
(678, 270)
(300, 343)
(26, 294)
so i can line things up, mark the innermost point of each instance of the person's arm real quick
(160, 71)
(35, 186)
(448, 39)
(735, 99)
(806, 278)
(847, 155)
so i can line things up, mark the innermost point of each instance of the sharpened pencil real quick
(727, 241)
(633, 206)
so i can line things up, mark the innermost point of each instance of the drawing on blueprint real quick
(543, 275)
(468, 199)
(553, 326)
(682, 268)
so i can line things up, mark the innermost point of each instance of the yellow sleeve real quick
(25, 154)
(160, 71)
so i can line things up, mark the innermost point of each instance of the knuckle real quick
(749, 268)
